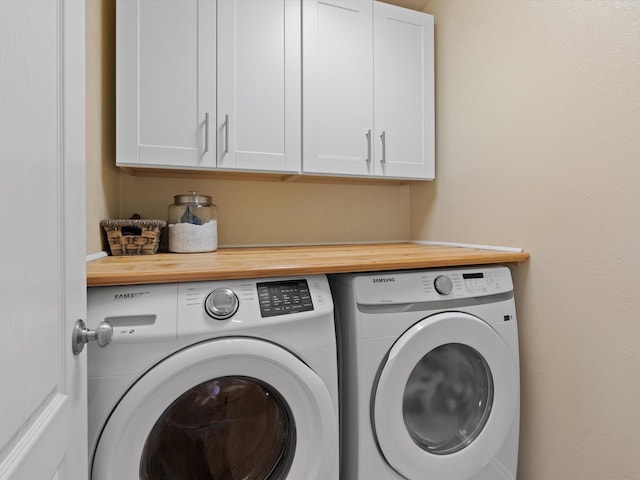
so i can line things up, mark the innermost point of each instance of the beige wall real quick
(103, 178)
(263, 212)
(538, 145)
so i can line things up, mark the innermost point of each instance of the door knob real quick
(81, 335)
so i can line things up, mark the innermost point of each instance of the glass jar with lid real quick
(193, 224)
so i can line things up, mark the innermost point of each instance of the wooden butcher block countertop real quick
(260, 262)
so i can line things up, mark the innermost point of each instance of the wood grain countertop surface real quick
(260, 262)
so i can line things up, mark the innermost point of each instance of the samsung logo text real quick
(127, 296)
(384, 280)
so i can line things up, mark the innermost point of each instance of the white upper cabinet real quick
(259, 85)
(368, 97)
(403, 93)
(329, 87)
(165, 83)
(337, 87)
(206, 84)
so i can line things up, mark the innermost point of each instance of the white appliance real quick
(429, 375)
(218, 379)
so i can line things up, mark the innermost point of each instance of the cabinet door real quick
(165, 82)
(259, 85)
(337, 86)
(404, 94)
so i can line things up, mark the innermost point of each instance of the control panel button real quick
(221, 303)
(443, 285)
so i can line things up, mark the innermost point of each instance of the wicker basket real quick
(133, 237)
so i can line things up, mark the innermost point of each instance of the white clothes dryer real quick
(429, 374)
(233, 379)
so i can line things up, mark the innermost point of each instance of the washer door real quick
(446, 398)
(226, 408)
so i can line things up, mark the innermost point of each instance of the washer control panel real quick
(164, 312)
(280, 297)
(431, 285)
(236, 304)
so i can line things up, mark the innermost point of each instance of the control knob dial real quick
(221, 303)
(443, 285)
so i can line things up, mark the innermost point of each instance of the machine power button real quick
(443, 285)
(221, 303)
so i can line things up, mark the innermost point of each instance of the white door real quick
(165, 83)
(43, 426)
(446, 398)
(404, 93)
(259, 85)
(337, 86)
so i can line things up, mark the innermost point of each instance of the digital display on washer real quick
(284, 297)
(469, 276)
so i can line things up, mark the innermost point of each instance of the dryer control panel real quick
(387, 288)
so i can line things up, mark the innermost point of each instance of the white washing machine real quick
(429, 374)
(231, 379)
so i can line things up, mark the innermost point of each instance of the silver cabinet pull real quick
(226, 134)
(81, 335)
(383, 137)
(368, 135)
(206, 132)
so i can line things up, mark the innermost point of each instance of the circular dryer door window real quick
(229, 427)
(446, 398)
(229, 408)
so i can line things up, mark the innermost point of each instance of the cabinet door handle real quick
(368, 135)
(383, 137)
(226, 134)
(206, 132)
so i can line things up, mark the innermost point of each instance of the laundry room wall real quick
(538, 145)
(102, 175)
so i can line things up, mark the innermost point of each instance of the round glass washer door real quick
(228, 427)
(188, 417)
(446, 398)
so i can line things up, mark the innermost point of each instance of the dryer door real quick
(226, 408)
(445, 398)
